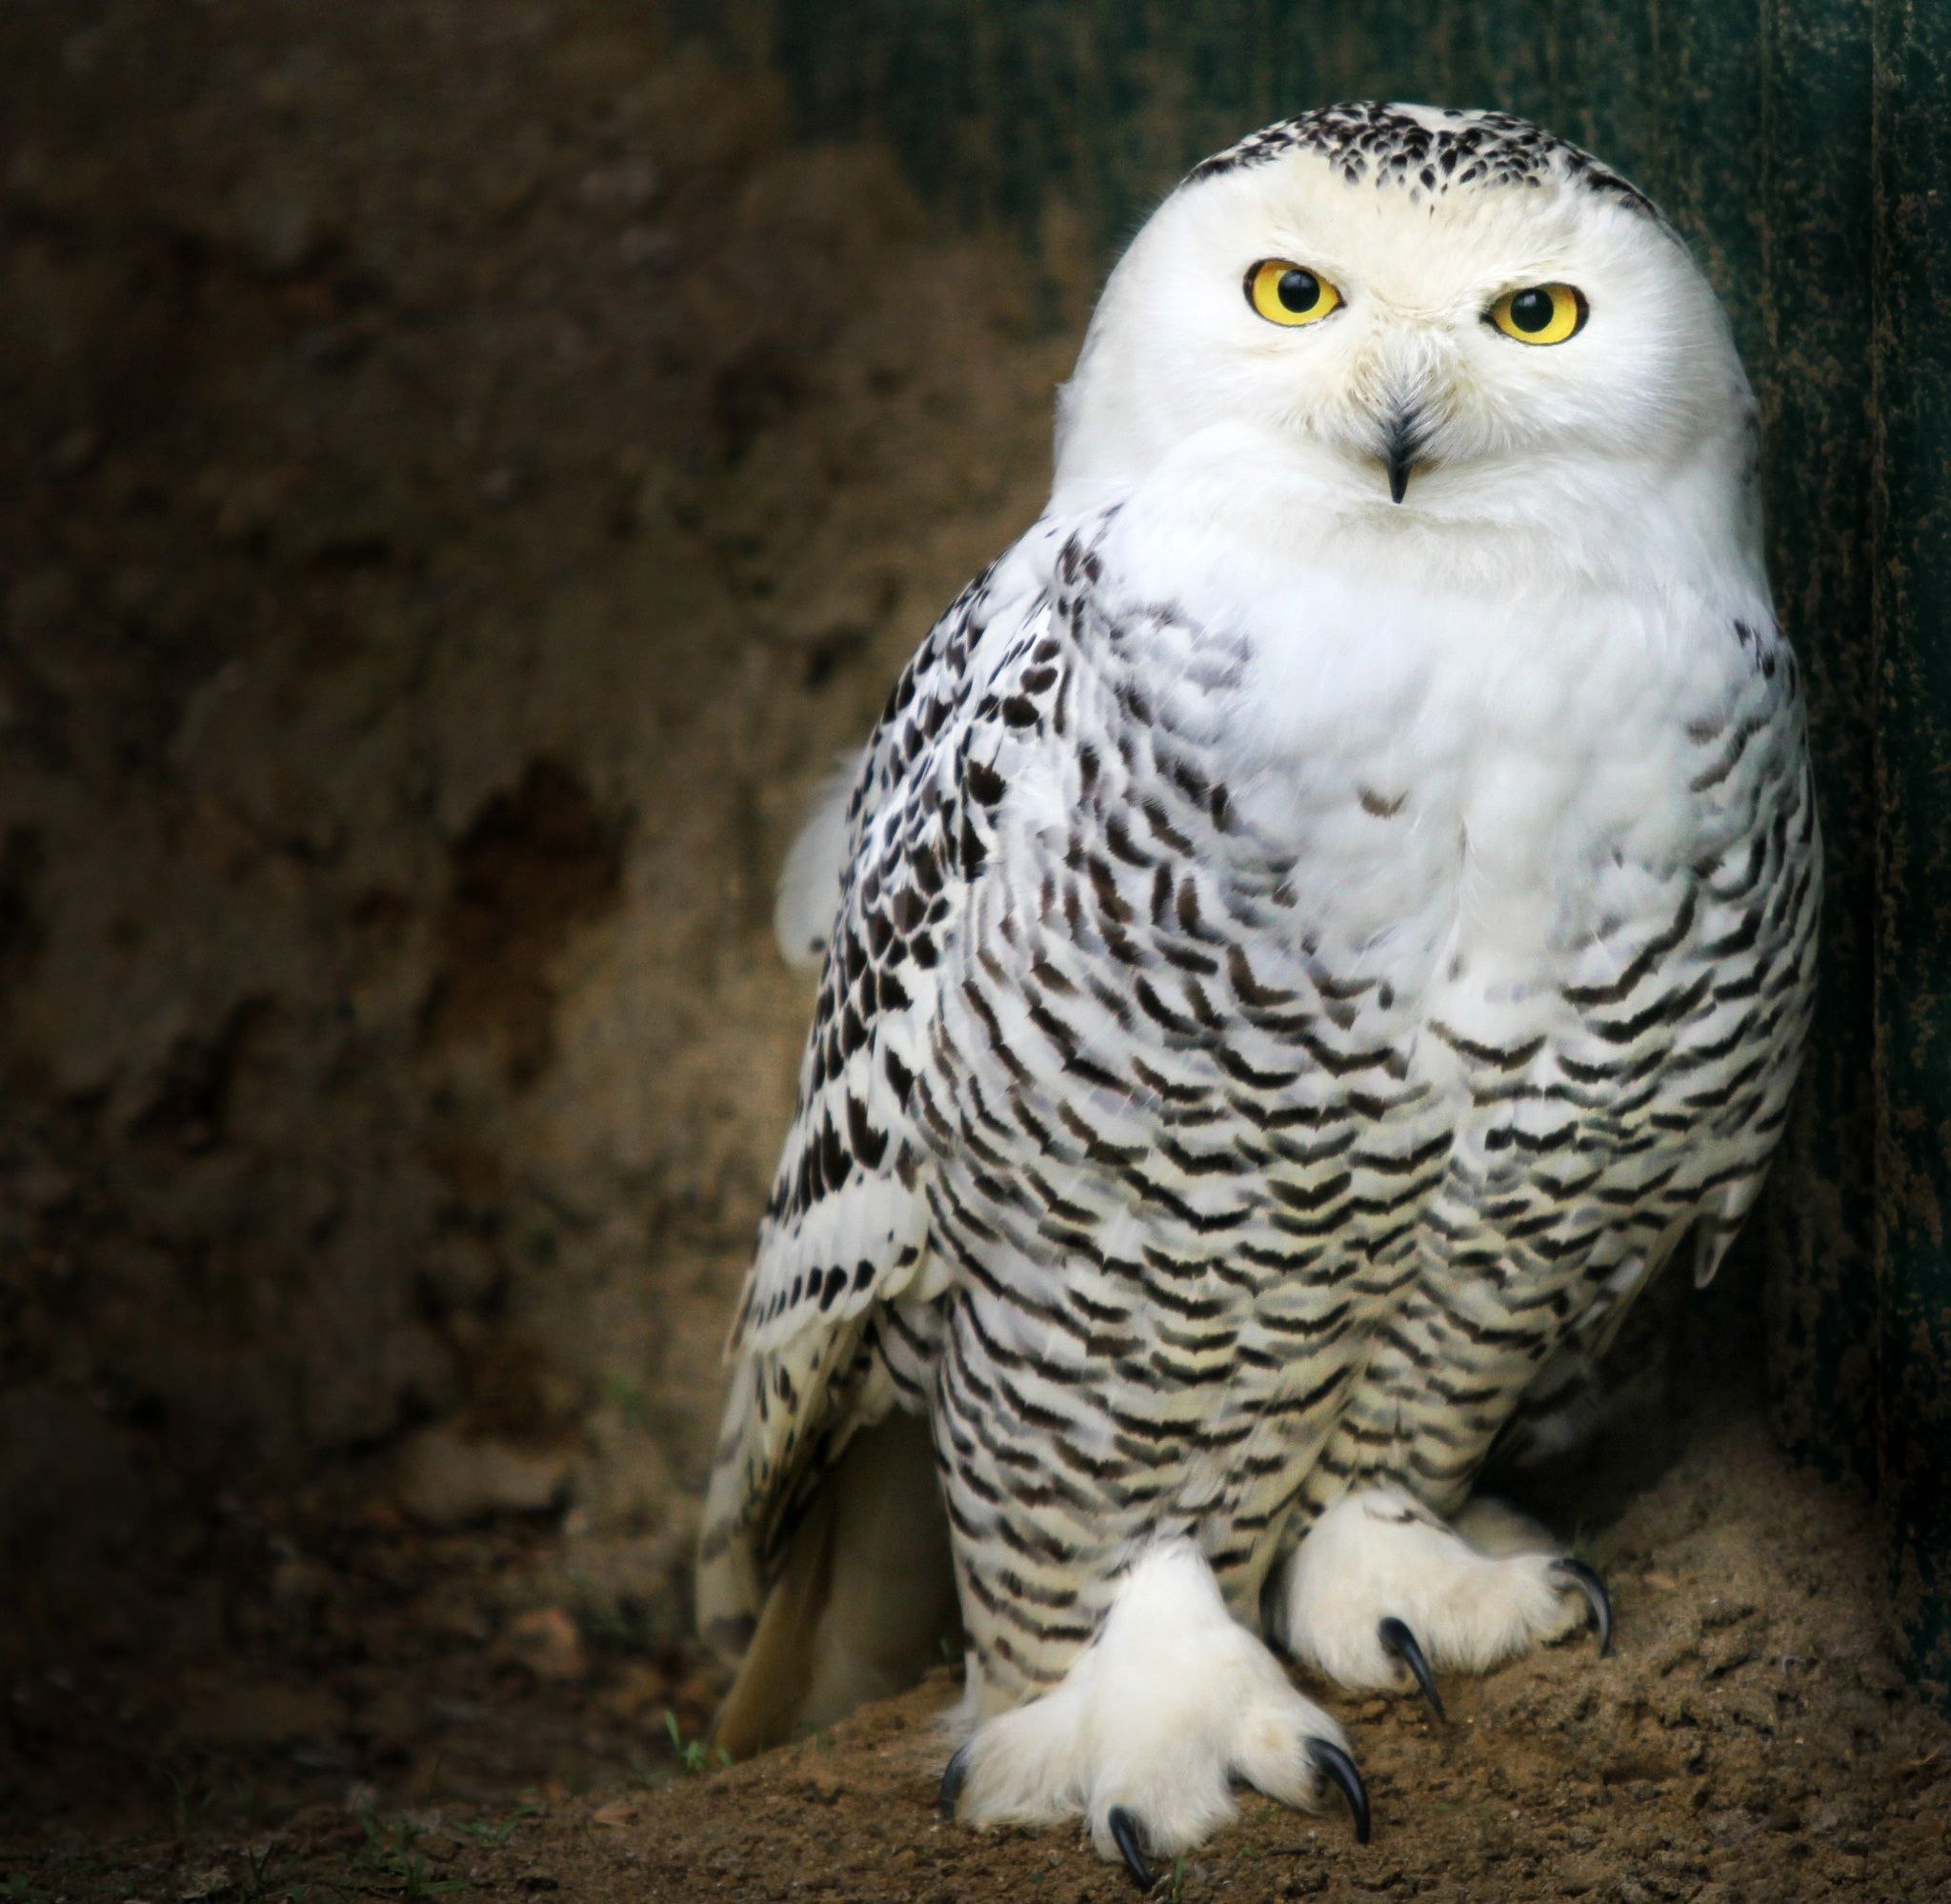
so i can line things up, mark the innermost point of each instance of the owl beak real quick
(1402, 447)
(1401, 463)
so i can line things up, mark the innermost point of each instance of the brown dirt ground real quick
(466, 474)
(1749, 1742)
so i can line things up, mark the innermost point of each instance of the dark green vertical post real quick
(1811, 367)
(1911, 149)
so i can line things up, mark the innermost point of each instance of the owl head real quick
(1411, 314)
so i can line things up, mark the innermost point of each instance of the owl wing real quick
(845, 1231)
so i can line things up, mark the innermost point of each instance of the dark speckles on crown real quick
(1368, 140)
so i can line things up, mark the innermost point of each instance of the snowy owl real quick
(1320, 924)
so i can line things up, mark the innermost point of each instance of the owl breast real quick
(1346, 1026)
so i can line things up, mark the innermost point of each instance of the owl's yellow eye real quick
(1541, 314)
(1284, 293)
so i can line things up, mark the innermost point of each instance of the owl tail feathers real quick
(865, 1603)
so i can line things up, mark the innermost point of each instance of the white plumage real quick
(1318, 923)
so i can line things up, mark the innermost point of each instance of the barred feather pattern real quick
(1182, 1206)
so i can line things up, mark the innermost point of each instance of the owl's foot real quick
(1381, 1591)
(1171, 1702)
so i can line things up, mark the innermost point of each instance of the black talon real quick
(1576, 1574)
(953, 1779)
(1397, 1639)
(1335, 1764)
(1124, 1834)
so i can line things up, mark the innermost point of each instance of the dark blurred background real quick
(466, 472)
(466, 469)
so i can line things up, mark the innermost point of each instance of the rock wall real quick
(465, 478)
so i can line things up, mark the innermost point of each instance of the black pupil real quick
(1300, 289)
(1531, 310)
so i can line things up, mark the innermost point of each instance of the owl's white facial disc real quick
(1421, 220)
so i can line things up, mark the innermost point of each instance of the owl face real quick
(1403, 308)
